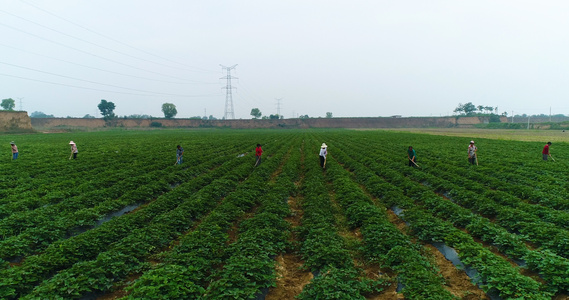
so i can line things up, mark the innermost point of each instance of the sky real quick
(351, 58)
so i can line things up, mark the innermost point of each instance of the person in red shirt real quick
(545, 151)
(258, 153)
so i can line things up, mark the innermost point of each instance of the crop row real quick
(383, 242)
(505, 210)
(550, 270)
(41, 227)
(322, 249)
(88, 245)
(187, 268)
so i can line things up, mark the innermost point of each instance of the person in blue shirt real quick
(179, 154)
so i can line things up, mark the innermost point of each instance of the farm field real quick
(500, 134)
(122, 221)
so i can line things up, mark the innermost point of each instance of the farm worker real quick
(472, 153)
(545, 151)
(412, 157)
(14, 151)
(258, 153)
(179, 154)
(73, 150)
(323, 153)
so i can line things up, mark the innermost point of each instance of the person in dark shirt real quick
(179, 154)
(412, 157)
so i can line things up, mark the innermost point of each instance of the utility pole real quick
(229, 113)
(550, 114)
(512, 116)
(279, 106)
(528, 122)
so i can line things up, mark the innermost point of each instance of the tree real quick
(169, 110)
(88, 116)
(275, 116)
(8, 104)
(256, 113)
(39, 114)
(107, 108)
(137, 116)
(303, 117)
(328, 115)
(467, 109)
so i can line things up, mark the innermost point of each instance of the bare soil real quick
(291, 278)
(457, 282)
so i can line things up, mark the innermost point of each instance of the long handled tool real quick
(177, 161)
(551, 157)
(476, 157)
(257, 162)
(415, 163)
(324, 165)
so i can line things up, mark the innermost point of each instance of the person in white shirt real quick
(323, 153)
(472, 153)
(73, 150)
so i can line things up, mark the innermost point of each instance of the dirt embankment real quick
(417, 122)
(15, 121)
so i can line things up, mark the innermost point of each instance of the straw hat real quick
(72, 143)
(324, 145)
(472, 142)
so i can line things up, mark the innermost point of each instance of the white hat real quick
(324, 145)
(12, 143)
(72, 143)
(472, 142)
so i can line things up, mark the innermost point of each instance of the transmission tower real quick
(279, 106)
(229, 112)
(21, 106)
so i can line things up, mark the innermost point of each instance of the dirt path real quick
(457, 282)
(291, 278)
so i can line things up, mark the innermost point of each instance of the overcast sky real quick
(351, 58)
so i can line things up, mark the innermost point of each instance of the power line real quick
(115, 40)
(91, 43)
(93, 89)
(89, 81)
(85, 52)
(103, 70)
(255, 97)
